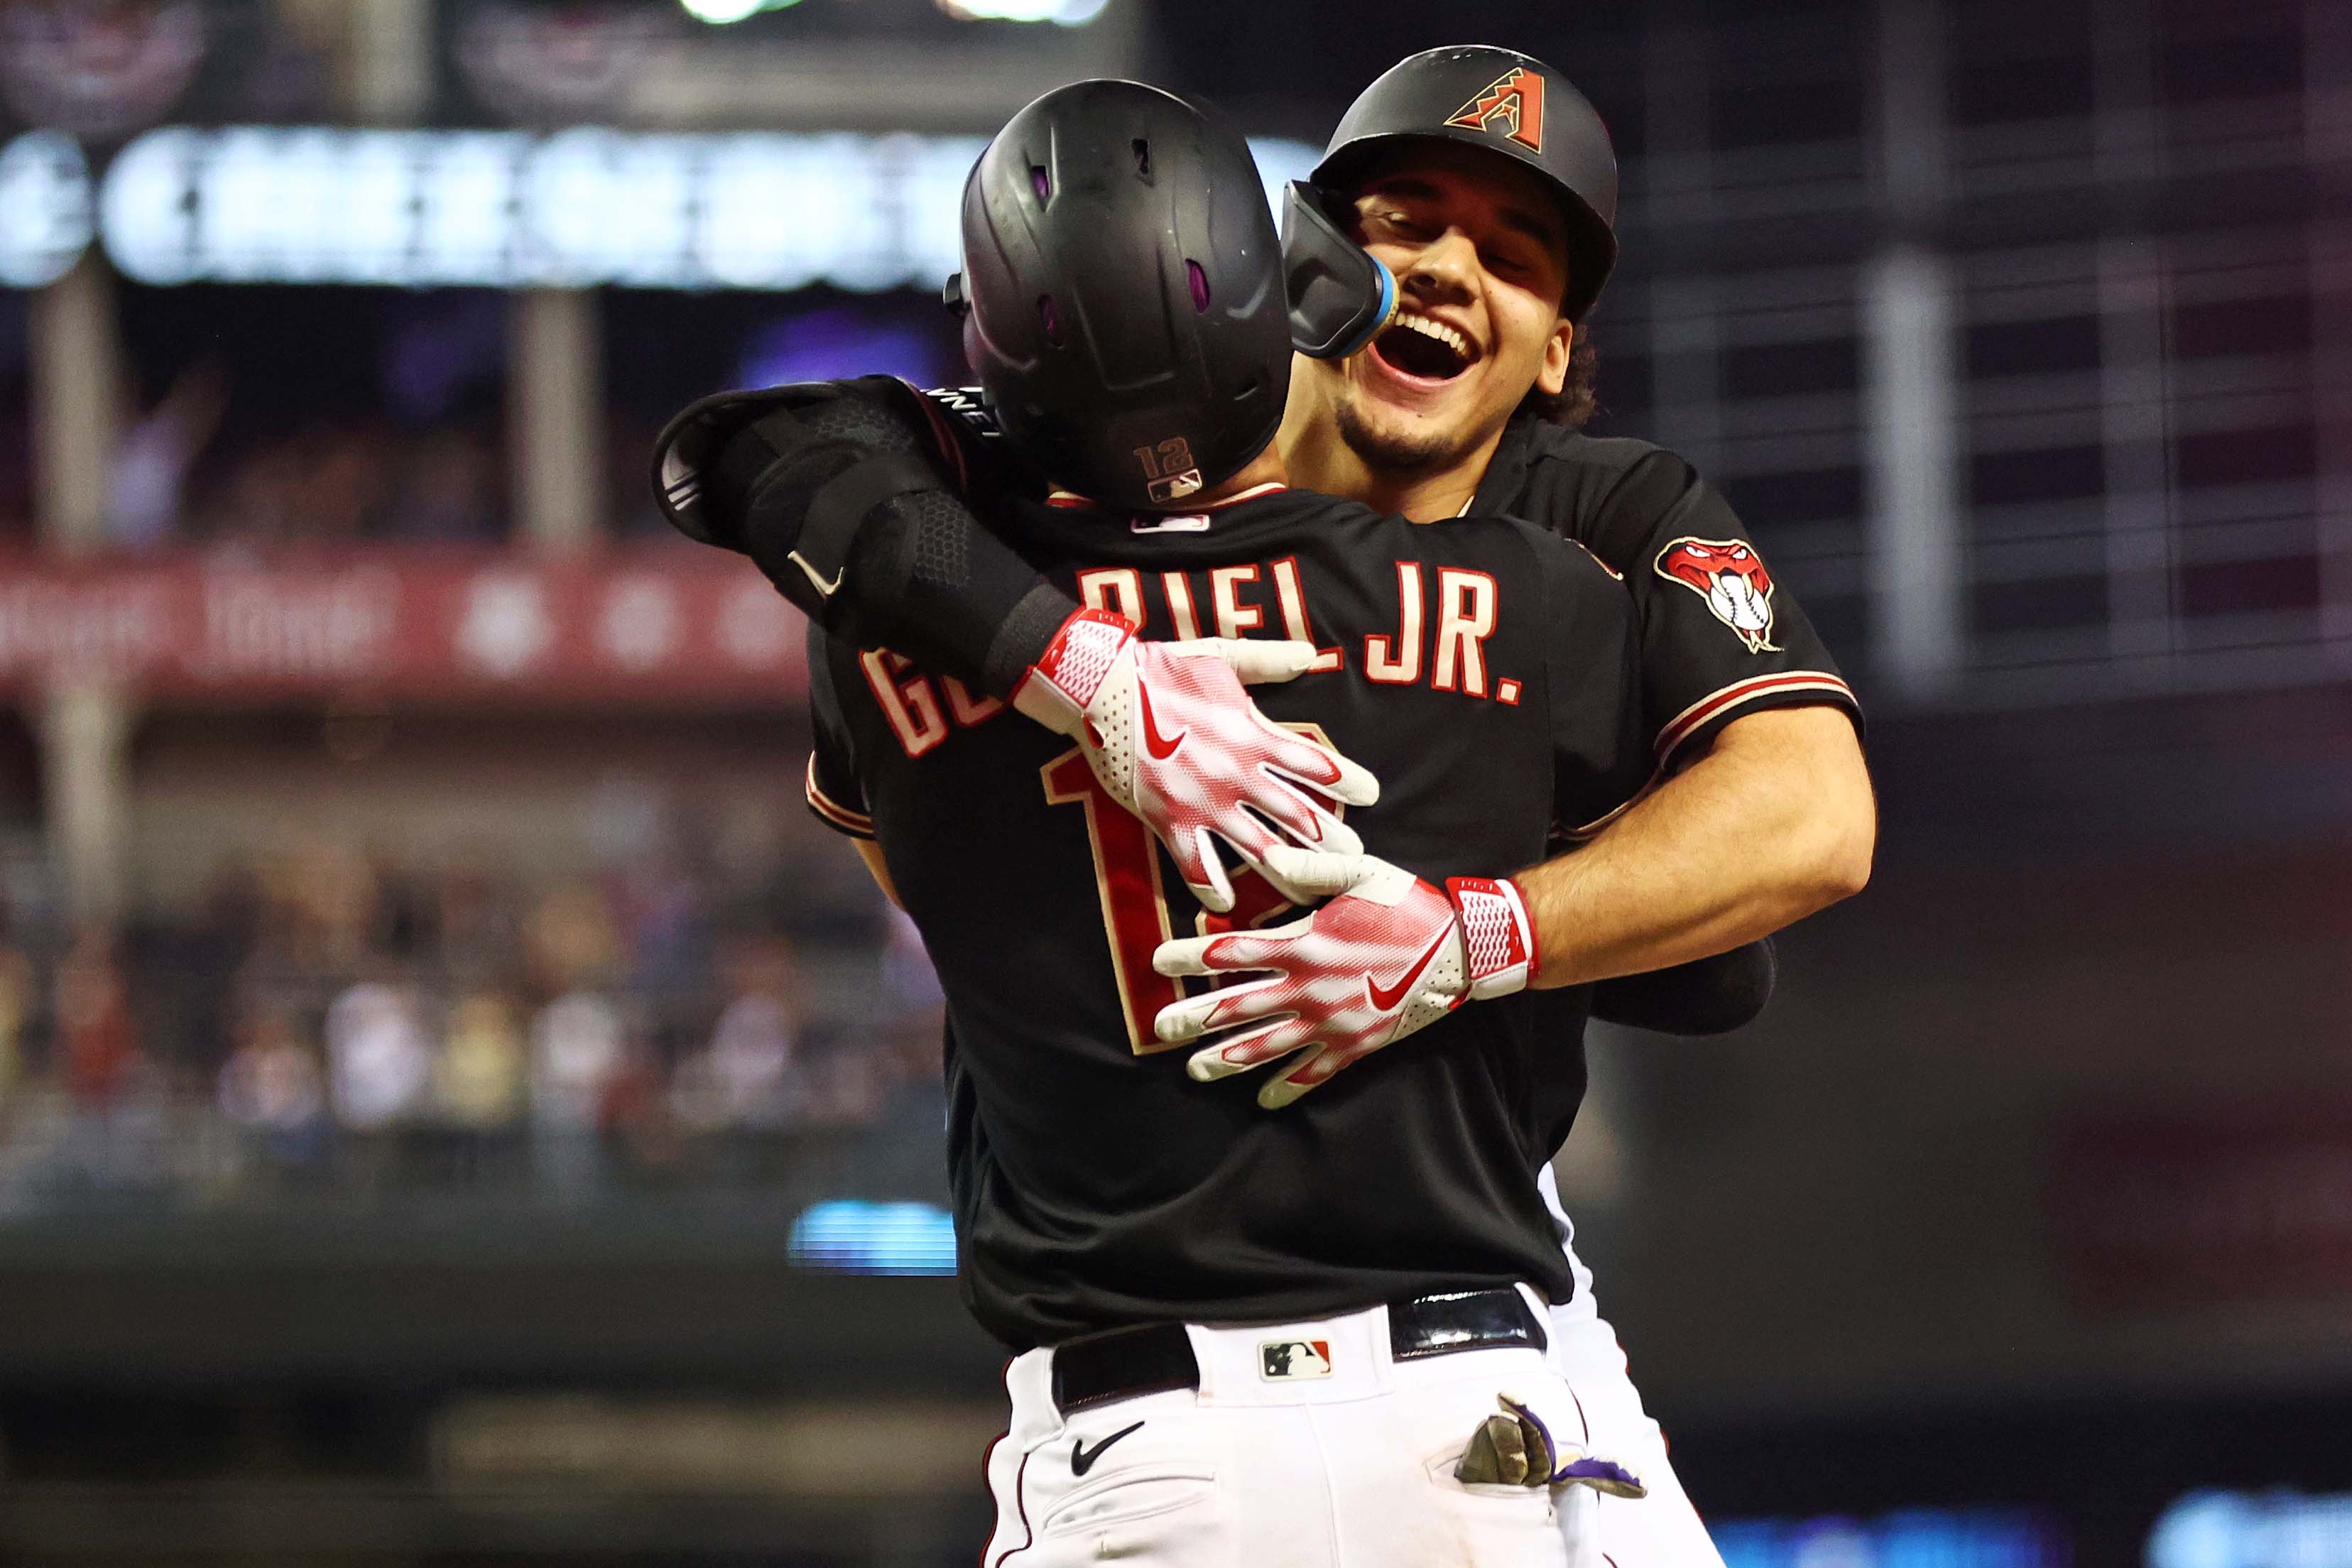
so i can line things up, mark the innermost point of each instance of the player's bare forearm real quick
(1776, 821)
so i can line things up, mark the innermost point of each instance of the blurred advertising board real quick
(2278, 1529)
(1910, 1538)
(44, 208)
(506, 210)
(661, 625)
(105, 69)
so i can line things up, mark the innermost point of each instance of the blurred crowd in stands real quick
(323, 1022)
(351, 1024)
(289, 416)
(180, 478)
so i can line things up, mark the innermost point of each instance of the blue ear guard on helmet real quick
(1340, 294)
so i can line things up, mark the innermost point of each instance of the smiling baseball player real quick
(1485, 184)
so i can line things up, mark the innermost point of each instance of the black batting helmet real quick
(1123, 284)
(1510, 103)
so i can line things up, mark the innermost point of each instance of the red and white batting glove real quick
(1390, 955)
(1173, 737)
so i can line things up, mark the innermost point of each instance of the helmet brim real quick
(1591, 243)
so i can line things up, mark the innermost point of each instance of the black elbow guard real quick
(1707, 997)
(844, 494)
(789, 475)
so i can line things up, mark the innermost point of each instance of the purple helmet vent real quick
(1200, 281)
(1050, 319)
(1041, 182)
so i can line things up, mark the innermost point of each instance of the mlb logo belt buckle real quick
(1287, 1361)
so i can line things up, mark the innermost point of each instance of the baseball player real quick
(1486, 185)
(1304, 1337)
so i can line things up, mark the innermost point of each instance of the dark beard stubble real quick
(1396, 455)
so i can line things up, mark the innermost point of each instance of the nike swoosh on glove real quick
(1173, 736)
(1390, 955)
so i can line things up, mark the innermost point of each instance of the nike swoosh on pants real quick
(1082, 1459)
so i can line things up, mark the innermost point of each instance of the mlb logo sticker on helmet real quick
(1169, 470)
(1512, 104)
(1280, 1360)
(1727, 573)
(1175, 487)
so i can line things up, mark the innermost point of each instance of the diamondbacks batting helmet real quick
(1122, 282)
(1512, 105)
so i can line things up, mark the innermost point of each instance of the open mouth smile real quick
(1423, 351)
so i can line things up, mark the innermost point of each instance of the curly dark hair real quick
(1574, 403)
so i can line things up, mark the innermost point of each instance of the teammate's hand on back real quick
(1390, 955)
(1168, 729)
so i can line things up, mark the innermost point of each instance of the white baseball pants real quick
(1346, 1463)
(1660, 1531)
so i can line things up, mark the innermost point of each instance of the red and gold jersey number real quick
(1127, 870)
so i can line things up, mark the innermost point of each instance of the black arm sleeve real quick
(855, 499)
(1707, 997)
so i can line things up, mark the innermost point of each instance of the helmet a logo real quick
(1727, 573)
(1512, 106)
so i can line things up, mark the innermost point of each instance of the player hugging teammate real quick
(1344, 1329)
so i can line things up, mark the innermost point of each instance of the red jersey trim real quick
(1070, 500)
(856, 824)
(1578, 835)
(1740, 693)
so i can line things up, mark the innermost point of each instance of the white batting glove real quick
(1173, 737)
(1390, 955)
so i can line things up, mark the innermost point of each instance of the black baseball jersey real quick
(1483, 671)
(1719, 638)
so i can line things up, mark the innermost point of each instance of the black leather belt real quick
(1122, 1364)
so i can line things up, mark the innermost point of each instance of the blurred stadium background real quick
(454, 1106)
